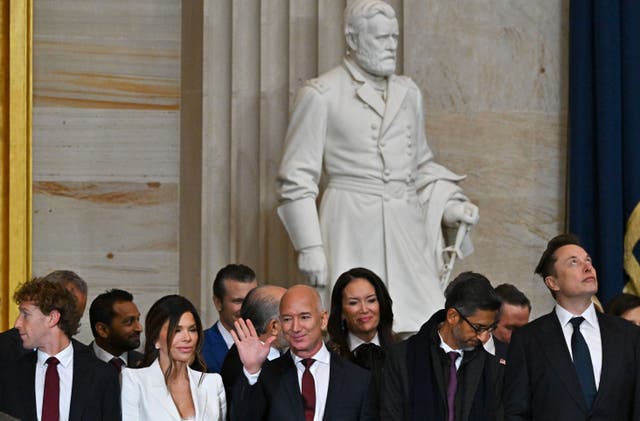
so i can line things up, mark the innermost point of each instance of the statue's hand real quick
(312, 262)
(456, 212)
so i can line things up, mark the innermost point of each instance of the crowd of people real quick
(277, 354)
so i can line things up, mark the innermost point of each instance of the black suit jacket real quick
(95, 392)
(276, 396)
(541, 382)
(501, 348)
(231, 372)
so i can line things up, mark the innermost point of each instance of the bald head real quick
(303, 319)
(261, 306)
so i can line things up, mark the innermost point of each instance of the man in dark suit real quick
(443, 372)
(261, 306)
(514, 313)
(573, 363)
(232, 283)
(307, 383)
(10, 343)
(116, 328)
(55, 381)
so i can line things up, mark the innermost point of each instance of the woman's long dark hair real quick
(337, 328)
(170, 308)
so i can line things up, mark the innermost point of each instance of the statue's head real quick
(371, 31)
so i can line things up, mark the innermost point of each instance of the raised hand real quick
(252, 351)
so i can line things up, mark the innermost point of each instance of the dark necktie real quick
(453, 384)
(117, 363)
(51, 398)
(308, 390)
(368, 356)
(582, 362)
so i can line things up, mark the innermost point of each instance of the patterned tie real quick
(582, 362)
(453, 384)
(308, 390)
(117, 363)
(51, 399)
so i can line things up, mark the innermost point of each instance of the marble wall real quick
(111, 79)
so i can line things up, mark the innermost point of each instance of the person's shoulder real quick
(405, 81)
(615, 324)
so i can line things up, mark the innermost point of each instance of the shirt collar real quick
(322, 356)
(226, 335)
(589, 315)
(65, 356)
(106, 356)
(355, 342)
(447, 348)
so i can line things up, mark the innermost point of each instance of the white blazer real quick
(145, 395)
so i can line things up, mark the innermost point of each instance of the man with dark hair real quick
(231, 285)
(262, 307)
(55, 381)
(10, 343)
(116, 327)
(514, 313)
(573, 363)
(443, 372)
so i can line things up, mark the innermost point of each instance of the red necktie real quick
(51, 399)
(308, 390)
(117, 363)
(453, 384)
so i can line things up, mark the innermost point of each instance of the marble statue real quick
(387, 206)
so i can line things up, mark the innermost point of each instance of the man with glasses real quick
(443, 372)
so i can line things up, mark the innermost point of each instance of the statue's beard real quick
(378, 64)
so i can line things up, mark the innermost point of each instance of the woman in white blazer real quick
(172, 384)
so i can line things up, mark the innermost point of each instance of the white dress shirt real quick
(590, 329)
(106, 356)
(355, 342)
(226, 335)
(320, 372)
(65, 373)
(448, 349)
(490, 346)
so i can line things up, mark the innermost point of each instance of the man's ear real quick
(54, 317)
(551, 282)
(102, 330)
(352, 41)
(452, 316)
(217, 302)
(273, 327)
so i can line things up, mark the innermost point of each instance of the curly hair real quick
(49, 296)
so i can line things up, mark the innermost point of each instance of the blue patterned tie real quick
(582, 362)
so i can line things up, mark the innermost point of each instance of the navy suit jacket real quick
(214, 349)
(95, 392)
(276, 396)
(541, 381)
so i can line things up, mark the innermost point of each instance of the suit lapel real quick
(610, 359)
(472, 375)
(336, 372)
(80, 384)
(396, 94)
(26, 384)
(290, 385)
(365, 92)
(199, 394)
(555, 349)
(159, 394)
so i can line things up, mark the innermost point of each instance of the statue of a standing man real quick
(387, 205)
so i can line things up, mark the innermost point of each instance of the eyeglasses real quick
(478, 328)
